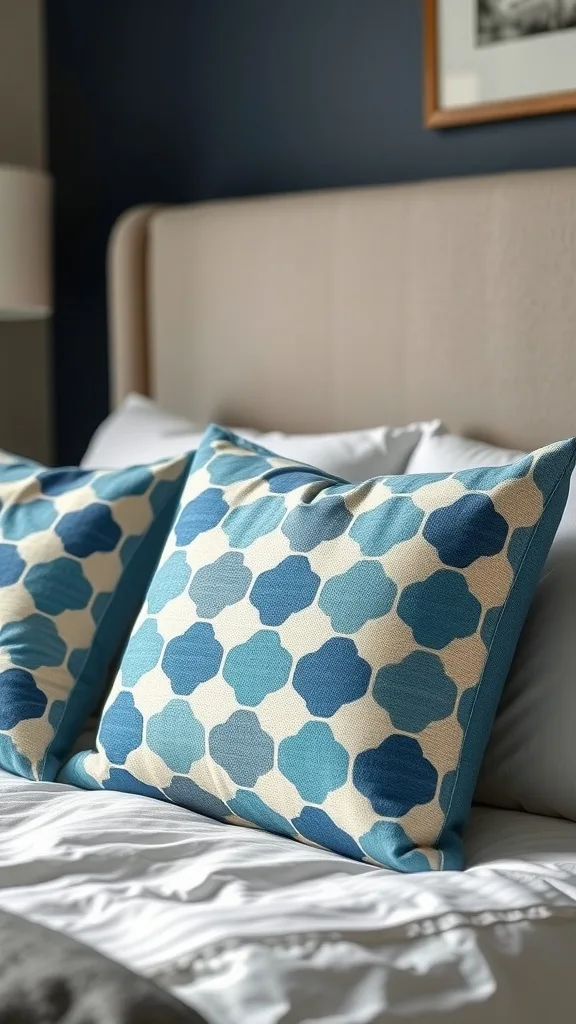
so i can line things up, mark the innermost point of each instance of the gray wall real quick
(24, 347)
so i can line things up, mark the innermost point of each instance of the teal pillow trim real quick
(501, 650)
(111, 635)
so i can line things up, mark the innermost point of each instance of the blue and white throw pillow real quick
(77, 551)
(324, 660)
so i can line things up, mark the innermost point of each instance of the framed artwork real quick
(486, 60)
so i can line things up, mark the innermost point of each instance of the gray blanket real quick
(48, 978)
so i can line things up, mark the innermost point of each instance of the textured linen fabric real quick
(140, 431)
(77, 551)
(251, 928)
(530, 761)
(324, 659)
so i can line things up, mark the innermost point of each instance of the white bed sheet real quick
(254, 928)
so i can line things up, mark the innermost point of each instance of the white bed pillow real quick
(138, 426)
(449, 453)
(530, 762)
(140, 431)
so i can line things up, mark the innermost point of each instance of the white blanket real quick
(254, 928)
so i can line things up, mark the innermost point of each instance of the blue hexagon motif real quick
(123, 781)
(220, 584)
(90, 530)
(468, 529)
(416, 691)
(11, 565)
(204, 453)
(332, 676)
(380, 529)
(287, 479)
(20, 520)
(281, 592)
(466, 705)
(446, 791)
(129, 548)
(314, 824)
(188, 794)
(48, 649)
(517, 545)
(258, 667)
(314, 761)
(176, 736)
(56, 713)
(545, 472)
(11, 472)
(170, 580)
(409, 483)
(12, 759)
(121, 728)
(229, 469)
(247, 523)
(307, 526)
(201, 514)
(395, 776)
(485, 479)
(58, 586)
(54, 482)
(352, 599)
(489, 624)
(74, 773)
(76, 661)
(192, 658)
(142, 653)
(21, 698)
(440, 609)
(248, 805)
(242, 748)
(100, 606)
(387, 843)
(122, 483)
(342, 488)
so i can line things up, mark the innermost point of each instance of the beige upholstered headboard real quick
(334, 310)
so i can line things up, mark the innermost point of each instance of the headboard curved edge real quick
(127, 270)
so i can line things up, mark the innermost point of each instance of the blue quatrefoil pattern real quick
(77, 551)
(324, 660)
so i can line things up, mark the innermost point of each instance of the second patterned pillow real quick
(324, 659)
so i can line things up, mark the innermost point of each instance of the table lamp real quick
(25, 244)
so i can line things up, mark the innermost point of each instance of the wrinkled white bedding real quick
(255, 928)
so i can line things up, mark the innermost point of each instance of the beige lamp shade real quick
(25, 244)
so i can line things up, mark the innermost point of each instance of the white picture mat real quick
(469, 74)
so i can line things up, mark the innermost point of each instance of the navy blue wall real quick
(175, 100)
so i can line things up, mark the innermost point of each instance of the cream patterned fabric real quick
(77, 551)
(324, 659)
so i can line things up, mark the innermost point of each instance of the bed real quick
(244, 926)
(310, 313)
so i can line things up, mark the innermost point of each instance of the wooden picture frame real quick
(435, 116)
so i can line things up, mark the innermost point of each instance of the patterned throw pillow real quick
(324, 660)
(77, 551)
